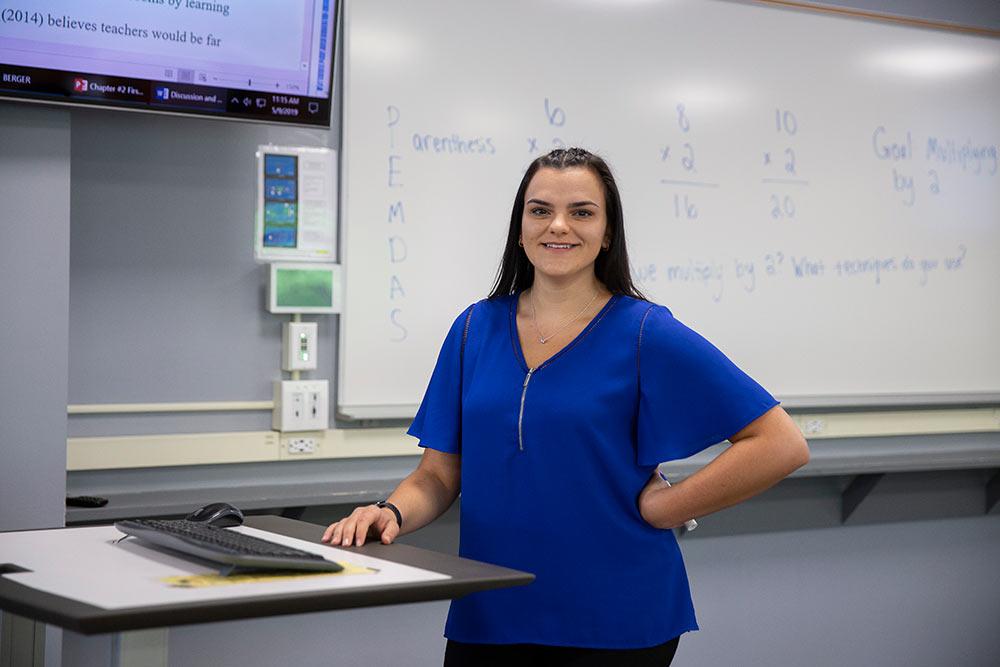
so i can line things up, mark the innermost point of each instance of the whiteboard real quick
(816, 195)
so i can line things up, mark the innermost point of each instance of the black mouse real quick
(222, 515)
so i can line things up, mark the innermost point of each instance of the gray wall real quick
(34, 314)
(165, 303)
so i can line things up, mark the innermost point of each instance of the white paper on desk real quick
(86, 564)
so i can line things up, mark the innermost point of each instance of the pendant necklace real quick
(534, 319)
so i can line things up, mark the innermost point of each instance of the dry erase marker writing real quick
(690, 524)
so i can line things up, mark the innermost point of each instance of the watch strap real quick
(394, 509)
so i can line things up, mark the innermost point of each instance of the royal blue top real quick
(553, 462)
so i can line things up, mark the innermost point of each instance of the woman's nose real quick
(559, 222)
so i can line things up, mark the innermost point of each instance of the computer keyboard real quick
(228, 547)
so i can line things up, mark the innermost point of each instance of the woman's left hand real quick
(764, 452)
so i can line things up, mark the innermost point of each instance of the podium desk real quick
(140, 630)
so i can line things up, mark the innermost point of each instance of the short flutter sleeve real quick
(438, 423)
(691, 396)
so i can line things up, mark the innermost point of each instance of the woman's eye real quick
(583, 213)
(537, 210)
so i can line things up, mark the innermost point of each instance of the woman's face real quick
(564, 223)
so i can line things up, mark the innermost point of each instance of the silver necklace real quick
(534, 319)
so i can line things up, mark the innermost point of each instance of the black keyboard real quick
(220, 545)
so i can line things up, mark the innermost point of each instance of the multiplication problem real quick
(781, 169)
(682, 168)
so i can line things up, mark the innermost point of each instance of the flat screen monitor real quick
(258, 60)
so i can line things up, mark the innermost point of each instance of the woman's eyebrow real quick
(576, 204)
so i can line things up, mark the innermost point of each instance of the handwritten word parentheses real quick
(452, 144)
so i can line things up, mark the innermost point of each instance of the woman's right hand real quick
(367, 521)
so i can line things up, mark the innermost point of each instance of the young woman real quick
(551, 405)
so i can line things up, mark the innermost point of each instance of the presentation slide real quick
(226, 44)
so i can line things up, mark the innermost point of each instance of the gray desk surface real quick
(467, 576)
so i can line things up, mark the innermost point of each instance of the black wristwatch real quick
(395, 510)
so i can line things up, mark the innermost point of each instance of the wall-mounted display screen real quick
(296, 213)
(304, 288)
(263, 60)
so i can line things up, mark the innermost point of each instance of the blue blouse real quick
(554, 458)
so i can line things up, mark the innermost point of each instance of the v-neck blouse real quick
(553, 461)
(515, 337)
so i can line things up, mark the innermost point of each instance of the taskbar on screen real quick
(167, 96)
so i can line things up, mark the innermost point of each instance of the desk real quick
(464, 576)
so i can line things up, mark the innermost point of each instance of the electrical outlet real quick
(302, 446)
(301, 405)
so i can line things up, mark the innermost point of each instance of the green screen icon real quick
(304, 288)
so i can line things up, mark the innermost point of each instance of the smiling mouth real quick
(560, 246)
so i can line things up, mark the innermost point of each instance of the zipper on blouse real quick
(520, 414)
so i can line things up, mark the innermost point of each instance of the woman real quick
(550, 407)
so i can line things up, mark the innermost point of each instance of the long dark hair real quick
(611, 268)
